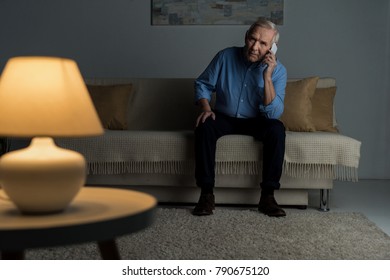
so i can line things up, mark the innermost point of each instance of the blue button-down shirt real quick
(239, 85)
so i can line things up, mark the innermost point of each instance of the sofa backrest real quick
(165, 103)
(158, 103)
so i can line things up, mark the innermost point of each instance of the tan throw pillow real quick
(111, 103)
(297, 105)
(322, 109)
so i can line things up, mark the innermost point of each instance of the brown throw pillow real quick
(322, 109)
(297, 105)
(111, 103)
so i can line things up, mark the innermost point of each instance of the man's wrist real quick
(267, 77)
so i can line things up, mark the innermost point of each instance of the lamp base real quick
(42, 178)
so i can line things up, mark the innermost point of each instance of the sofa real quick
(148, 143)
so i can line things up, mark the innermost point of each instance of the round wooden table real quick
(96, 214)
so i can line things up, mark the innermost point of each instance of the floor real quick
(370, 197)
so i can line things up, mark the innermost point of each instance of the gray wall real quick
(345, 39)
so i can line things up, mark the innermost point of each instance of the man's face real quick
(258, 43)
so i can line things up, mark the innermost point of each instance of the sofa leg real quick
(324, 200)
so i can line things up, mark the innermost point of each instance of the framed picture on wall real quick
(213, 12)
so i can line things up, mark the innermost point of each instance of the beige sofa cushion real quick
(298, 106)
(322, 109)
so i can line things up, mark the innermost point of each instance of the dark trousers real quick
(269, 131)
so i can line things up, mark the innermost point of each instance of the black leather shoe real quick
(270, 207)
(205, 206)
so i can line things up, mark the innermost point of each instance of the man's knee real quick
(276, 129)
(205, 127)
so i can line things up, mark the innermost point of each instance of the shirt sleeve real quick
(274, 110)
(205, 84)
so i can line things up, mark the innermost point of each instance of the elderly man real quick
(250, 86)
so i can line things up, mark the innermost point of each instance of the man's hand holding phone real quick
(270, 59)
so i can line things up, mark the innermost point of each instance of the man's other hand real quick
(203, 116)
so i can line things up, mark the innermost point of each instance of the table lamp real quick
(41, 98)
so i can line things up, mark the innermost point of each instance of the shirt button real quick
(242, 100)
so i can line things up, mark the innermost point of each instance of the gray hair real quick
(262, 22)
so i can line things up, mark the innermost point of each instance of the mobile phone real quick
(274, 48)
